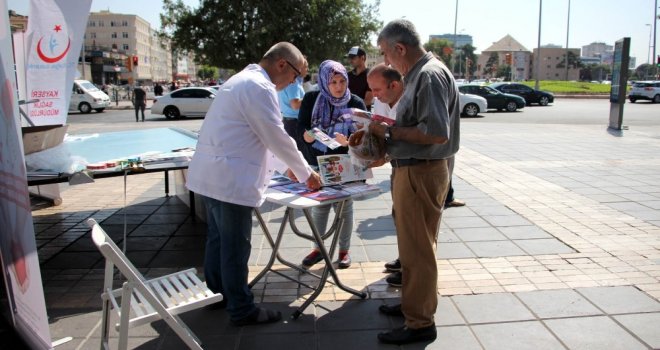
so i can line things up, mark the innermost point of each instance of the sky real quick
(486, 21)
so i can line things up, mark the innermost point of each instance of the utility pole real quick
(655, 31)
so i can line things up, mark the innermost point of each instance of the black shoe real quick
(391, 310)
(393, 266)
(222, 304)
(394, 279)
(405, 335)
(258, 316)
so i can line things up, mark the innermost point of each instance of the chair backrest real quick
(111, 252)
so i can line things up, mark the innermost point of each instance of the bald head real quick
(287, 51)
(284, 62)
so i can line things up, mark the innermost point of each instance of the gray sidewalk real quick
(557, 248)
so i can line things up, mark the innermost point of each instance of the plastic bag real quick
(58, 159)
(365, 148)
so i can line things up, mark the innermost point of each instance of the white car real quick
(189, 102)
(645, 90)
(471, 105)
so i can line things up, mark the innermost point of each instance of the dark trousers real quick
(139, 107)
(227, 252)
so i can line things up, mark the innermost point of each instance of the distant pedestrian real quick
(357, 78)
(158, 90)
(173, 86)
(139, 101)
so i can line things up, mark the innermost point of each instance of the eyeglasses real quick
(298, 74)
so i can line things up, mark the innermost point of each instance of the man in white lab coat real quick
(233, 162)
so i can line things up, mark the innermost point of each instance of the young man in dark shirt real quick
(357, 78)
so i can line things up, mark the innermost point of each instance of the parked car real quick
(530, 95)
(472, 105)
(495, 99)
(645, 90)
(190, 102)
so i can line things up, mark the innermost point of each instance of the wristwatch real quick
(388, 134)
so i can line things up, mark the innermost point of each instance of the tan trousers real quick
(418, 194)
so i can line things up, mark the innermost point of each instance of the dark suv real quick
(645, 90)
(530, 95)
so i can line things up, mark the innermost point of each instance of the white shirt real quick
(384, 109)
(239, 140)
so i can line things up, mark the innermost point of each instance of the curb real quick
(584, 96)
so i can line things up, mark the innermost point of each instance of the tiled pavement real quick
(558, 247)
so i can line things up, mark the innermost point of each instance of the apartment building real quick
(117, 35)
(550, 58)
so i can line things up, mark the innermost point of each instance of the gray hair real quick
(400, 31)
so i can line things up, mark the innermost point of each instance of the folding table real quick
(293, 202)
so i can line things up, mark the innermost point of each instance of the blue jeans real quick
(320, 216)
(227, 253)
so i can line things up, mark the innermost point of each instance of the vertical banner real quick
(18, 249)
(54, 39)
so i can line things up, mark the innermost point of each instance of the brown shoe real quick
(454, 203)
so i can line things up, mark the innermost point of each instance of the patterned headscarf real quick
(325, 117)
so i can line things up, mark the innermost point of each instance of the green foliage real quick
(234, 33)
(491, 65)
(207, 73)
(573, 61)
(442, 48)
(503, 71)
(595, 72)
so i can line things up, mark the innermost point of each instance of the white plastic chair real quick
(140, 301)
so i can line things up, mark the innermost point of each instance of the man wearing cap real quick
(357, 78)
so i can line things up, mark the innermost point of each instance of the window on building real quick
(124, 35)
(91, 24)
(125, 47)
(124, 23)
(548, 66)
(113, 35)
(113, 23)
(92, 35)
(101, 24)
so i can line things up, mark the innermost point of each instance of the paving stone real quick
(645, 326)
(543, 246)
(479, 234)
(558, 303)
(593, 333)
(620, 300)
(485, 308)
(453, 251)
(494, 249)
(516, 336)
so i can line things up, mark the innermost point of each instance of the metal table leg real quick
(315, 237)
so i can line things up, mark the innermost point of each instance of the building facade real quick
(551, 65)
(596, 49)
(507, 51)
(17, 23)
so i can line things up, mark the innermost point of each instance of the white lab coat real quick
(239, 140)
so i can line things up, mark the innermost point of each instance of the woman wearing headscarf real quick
(325, 109)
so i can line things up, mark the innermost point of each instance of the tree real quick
(468, 53)
(573, 61)
(595, 72)
(234, 33)
(491, 64)
(207, 73)
(645, 71)
(503, 71)
(442, 48)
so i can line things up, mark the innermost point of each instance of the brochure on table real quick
(340, 178)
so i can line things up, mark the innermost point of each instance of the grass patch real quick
(570, 87)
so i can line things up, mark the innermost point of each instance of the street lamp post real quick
(538, 49)
(568, 22)
(650, 58)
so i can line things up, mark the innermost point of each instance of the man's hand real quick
(341, 138)
(291, 175)
(378, 129)
(308, 138)
(314, 181)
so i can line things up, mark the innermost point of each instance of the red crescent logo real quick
(51, 59)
